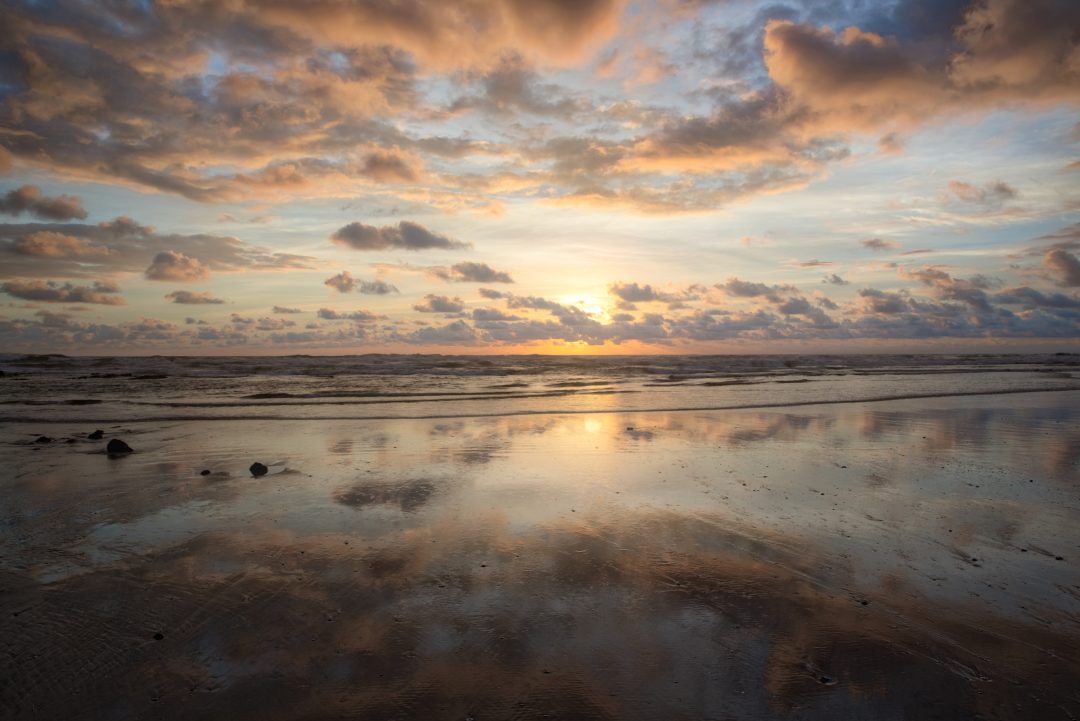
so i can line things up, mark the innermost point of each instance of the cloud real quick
(883, 302)
(1063, 267)
(491, 294)
(391, 167)
(122, 245)
(634, 293)
(282, 310)
(815, 263)
(343, 282)
(745, 289)
(492, 315)
(989, 194)
(361, 316)
(514, 87)
(1031, 298)
(406, 235)
(1003, 51)
(834, 279)
(631, 293)
(187, 297)
(457, 333)
(891, 144)
(28, 199)
(470, 272)
(970, 291)
(101, 292)
(50, 244)
(376, 287)
(343, 99)
(174, 266)
(439, 304)
(879, 244)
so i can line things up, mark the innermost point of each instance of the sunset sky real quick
(539, 176)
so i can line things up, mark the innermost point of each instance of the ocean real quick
(54, 388)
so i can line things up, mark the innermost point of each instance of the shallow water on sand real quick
(888, 560)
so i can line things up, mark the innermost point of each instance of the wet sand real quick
(892, 560)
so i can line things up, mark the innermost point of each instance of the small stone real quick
(117, 447)
(43, 439)
(159, 636)
(204, 472)
(96, 435)
(257, 469)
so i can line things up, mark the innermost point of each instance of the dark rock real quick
(96, 435)
(204, 472)
(117, 447)
(257, 469)
(43, 439)
(159, 636)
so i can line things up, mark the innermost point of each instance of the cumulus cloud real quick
(101, 292)
(406, 235)
(470, 272)
(746, 289)
(457, 333)
(187, 297)
(344, 282)
(1032, 298)
(1063, 267)
(970, 290)
(29, 199)
(361, 316)
(439, 304)
(50, 244)
(491, 293)
(884, 302)
(634, 293)
(174, 266)
(1005, 51)
(282, 310)
(391, 167)
(834, 279)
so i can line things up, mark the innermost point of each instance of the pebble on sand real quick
(257, 469)
(117, 447)
(204, 472)
(43, 439)
(96, 435)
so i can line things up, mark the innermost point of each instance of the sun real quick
(591, 303)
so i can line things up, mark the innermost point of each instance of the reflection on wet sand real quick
(891, 560)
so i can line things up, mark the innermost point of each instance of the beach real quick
(783, 546)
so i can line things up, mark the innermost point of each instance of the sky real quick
(539, 176)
